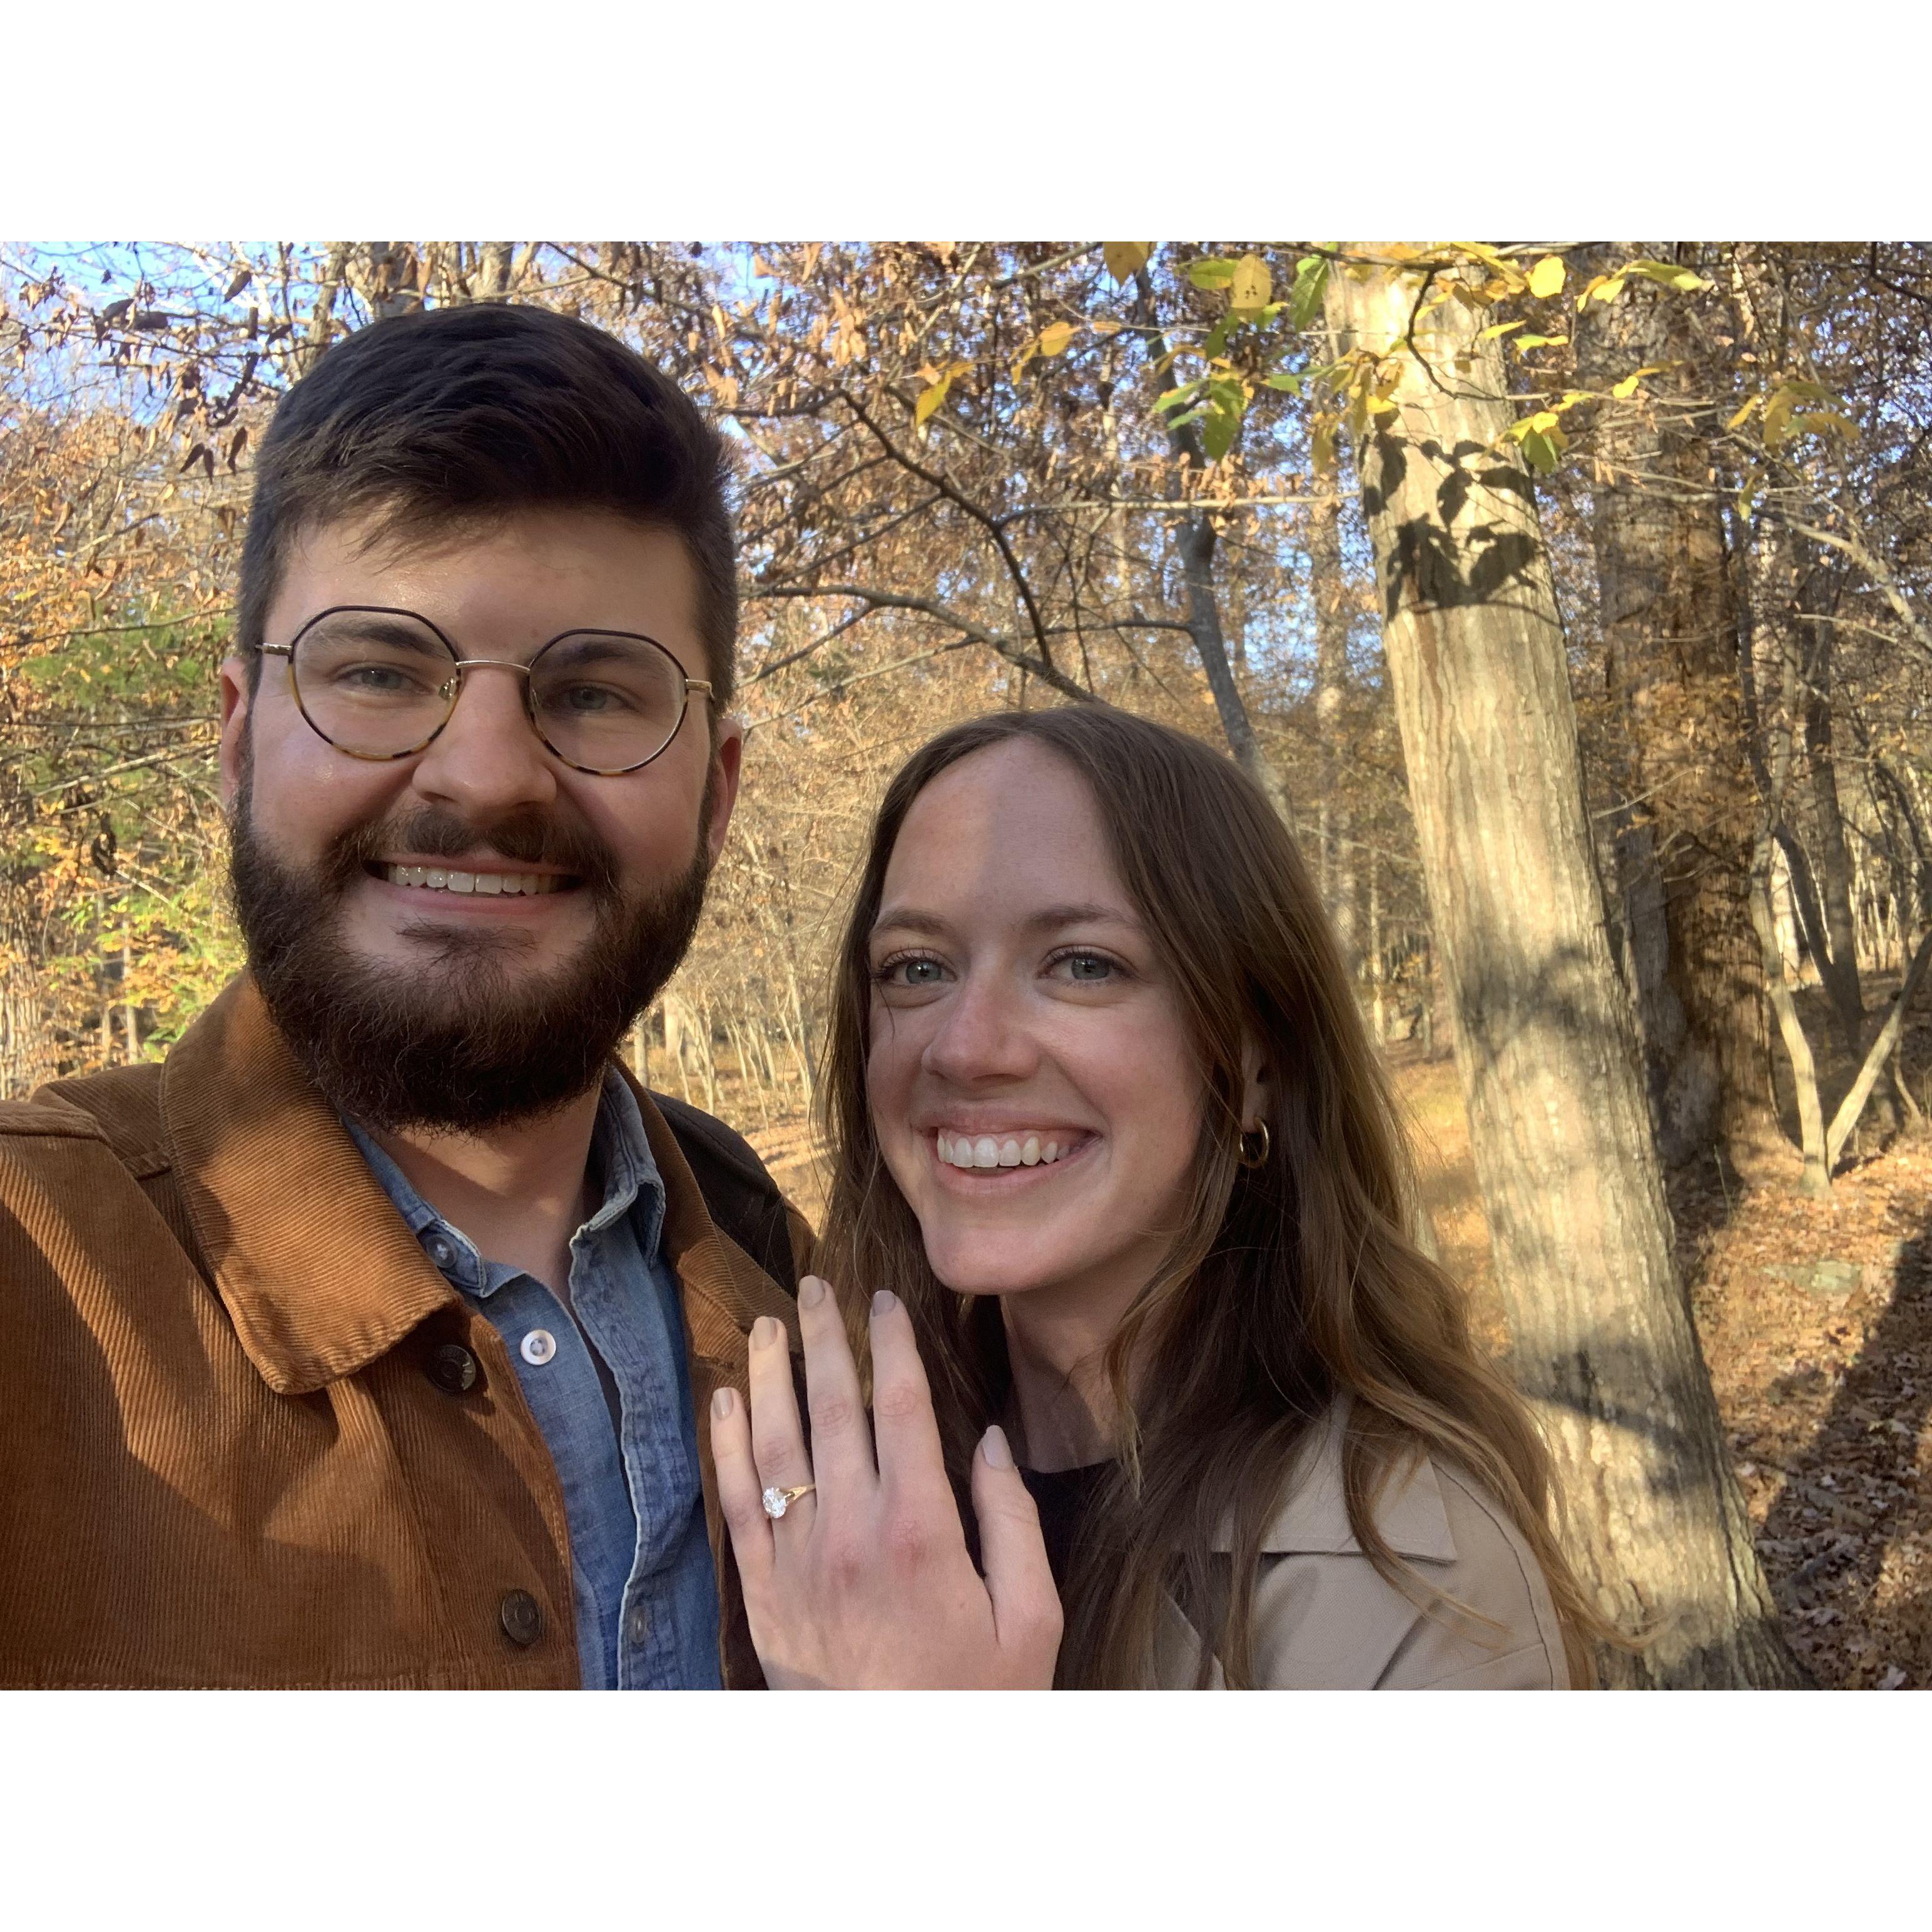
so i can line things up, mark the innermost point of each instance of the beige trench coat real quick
(1324, 1620)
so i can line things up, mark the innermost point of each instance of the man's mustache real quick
(531, 838)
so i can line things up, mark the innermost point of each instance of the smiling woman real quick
(1108, 1128)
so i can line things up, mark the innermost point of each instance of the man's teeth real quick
(984, 1151)
(438, 879)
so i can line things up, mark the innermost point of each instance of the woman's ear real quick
(1255, 1095)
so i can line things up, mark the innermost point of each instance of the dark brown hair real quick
(1289, 1285)
(451, 416)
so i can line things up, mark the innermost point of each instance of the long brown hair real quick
(1288, 1286)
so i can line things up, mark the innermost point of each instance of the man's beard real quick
(459, 1043)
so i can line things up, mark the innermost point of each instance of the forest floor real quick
(1816, 1318)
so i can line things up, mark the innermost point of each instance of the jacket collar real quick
(319, 1273)
(1314, 1520)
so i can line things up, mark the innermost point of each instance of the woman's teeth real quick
(437, 879)
(984, 1151)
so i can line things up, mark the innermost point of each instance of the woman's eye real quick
(912, 972)
(1086, 968)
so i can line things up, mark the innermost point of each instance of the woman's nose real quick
(487, 759)
(982, 1034)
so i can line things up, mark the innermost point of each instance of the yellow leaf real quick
(1547, 277)
(1123, 258)
(1751, 403)
(1496, 328)
(1628, 387)
(1525, 342)
(930, 399)
(1054, 340)
(1251, 285)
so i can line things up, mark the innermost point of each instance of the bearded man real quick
(360, 1343)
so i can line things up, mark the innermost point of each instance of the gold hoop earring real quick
(1256, 1157)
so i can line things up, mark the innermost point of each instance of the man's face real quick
(413, 1005)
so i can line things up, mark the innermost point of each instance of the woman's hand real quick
(865, 1583)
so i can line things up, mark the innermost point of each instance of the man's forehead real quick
(570, 566)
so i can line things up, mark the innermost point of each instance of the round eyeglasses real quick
(380, 683)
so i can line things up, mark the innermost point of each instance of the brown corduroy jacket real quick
(236, 1445)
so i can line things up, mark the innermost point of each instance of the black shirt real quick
(1063, 1498)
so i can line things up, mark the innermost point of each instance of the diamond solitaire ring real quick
(777, 1502)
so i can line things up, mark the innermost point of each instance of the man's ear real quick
(727, 758)
(235, 701)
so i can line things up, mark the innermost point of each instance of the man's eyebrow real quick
(912, 919)
(379, 627)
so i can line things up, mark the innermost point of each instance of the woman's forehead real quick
(1011, 831)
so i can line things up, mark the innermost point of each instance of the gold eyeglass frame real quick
(459, 665)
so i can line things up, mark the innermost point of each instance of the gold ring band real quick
(777, 1502)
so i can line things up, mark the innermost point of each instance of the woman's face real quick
(1034, 1092)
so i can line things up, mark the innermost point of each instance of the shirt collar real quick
(620, 1151)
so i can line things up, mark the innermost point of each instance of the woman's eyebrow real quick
(1049, 917)
(912, 919)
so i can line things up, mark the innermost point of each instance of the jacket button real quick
(453, 1369)
(523, 1618)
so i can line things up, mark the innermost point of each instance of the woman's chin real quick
(976, 1268)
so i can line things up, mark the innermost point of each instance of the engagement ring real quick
(777, 1502)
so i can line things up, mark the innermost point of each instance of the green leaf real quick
(1209, 273)
(1288, 385)
(1311, 284)
(1219, 432)
(1540, 451)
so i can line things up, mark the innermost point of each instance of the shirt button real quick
(453, 1369)
(539, 1344)
(638, 1625)
(440, 1251)
(523, 1618)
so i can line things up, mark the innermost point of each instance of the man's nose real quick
(982, 1033)
(487, 760)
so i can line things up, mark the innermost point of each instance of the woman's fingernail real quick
(722, 1403)
(996, 1449)
(765, 1331)
(883, 1303)
(811, 1292)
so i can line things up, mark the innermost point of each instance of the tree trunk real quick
(1839, 971)
(1670, 640)
(1603, 1347)
(1194, 543)
(1336, 866)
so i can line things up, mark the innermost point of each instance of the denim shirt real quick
(606, 1380)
